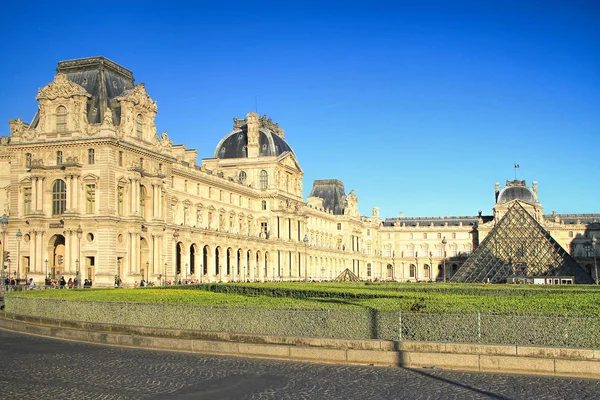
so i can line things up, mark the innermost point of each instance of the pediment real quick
(288, 159)
(61, 87)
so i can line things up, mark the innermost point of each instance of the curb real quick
(582, 363)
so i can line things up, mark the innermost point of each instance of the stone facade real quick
(94, 190)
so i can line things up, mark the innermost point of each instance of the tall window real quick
(339, 226)
(264, 229)
(120, 197)
(26, 200)
(142, 201)
(264, 179)
(58, 157)
(91, 156)
(138, 126)
(59, 197)
(120, 159)
(588, 251)
(413, 270)
(264, 204)
(90, 198)
(28, 159)
(426, 271)
(61, 119)
(242, 176)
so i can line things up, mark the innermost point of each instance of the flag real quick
(516, 165)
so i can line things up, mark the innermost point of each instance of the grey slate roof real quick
(332, 193)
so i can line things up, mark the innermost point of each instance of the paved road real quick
(33, 367)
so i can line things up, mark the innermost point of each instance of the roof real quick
(270, 140)
(516, 190)
(103, 79)
(332, 193)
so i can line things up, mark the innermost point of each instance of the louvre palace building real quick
(91, 190)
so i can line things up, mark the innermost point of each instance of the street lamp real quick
(19, 238)
(147, 271)
(594, 240)
(4, 225)
(79, 232)
(77, 274)
(186, 269)
(305, 240)
(393, 265)
(176, 238)
(444, 254)
(46, 262)
(165, 272)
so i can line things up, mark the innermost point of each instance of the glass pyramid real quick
(518, 246)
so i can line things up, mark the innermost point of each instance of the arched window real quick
(61, 119)
(264, 179)
(242, 176)
(138, 126)
(59, 197)
(413, 270)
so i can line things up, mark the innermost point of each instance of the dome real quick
(270, 140)
(516, 192)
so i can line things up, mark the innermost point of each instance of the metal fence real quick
(532, 330)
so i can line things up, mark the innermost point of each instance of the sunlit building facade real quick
(91, 190)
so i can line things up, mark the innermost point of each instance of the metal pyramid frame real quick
(518, 246)
(347, 276)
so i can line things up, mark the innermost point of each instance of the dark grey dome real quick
(234, 144)
(511, 193)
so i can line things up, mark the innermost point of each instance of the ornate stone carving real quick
(268, 123)
(107, 119)
(61, 87)
(139, 97)
(163, 144)
(351, 205)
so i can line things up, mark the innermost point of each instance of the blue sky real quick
(420, 106)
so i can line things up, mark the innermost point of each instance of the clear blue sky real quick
(418, 106)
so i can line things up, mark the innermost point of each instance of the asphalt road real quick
(33, 367)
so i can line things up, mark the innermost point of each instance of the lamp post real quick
(4, 225)
(176, 238)
(147, 269)
(186, 269)
(78, 276)
(594, 240)
(19, 238)
(444, 254)
(46, 262)
(305, 240)
(79, 232)
(393, 265)
(165, 272)
(118, 276)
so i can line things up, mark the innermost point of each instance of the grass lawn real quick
(407, 297)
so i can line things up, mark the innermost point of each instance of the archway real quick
(56, 264)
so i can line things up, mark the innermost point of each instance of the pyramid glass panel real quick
(518, 246)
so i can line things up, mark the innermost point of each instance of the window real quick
(185, 185)
(59, 197)
(90, 198)
(368, 250)
(426, 271)
(28, 159)
(339, 227)
(197, 188)
(142, 201)
(58, 157)
(264, 180)
(588, 251)
(142, 162)
(264, 204)
(424, 236)
(61, 119)
(453, 251)
(120, 159)
(468, 250)
(570, 234)
(413, 270)
(138, 126)
(91, 156)
(368, 232)
(411, 251)
(242, 176)
(368, 269)
(388, 250)
(120, 195)
(439, 235)
(264, 229)
(26, 200)
(453, 235)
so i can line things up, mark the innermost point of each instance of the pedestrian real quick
(31, 283)
(70, 283)
(63, 282)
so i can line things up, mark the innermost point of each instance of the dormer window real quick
(59, 158)
(138, 126)
(61, 119)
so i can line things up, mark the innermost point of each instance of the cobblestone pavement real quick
(33, 367)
